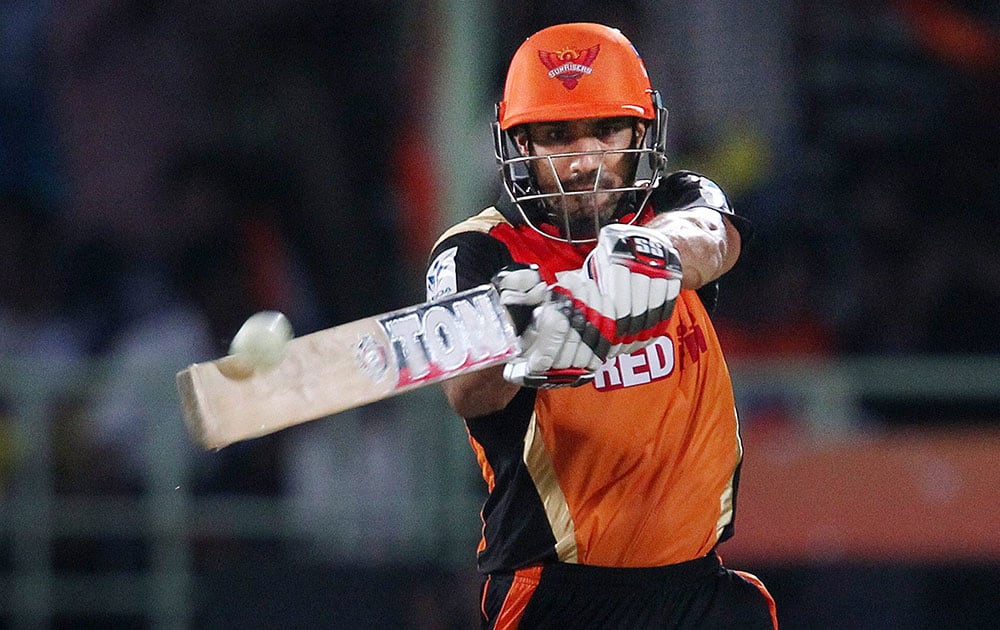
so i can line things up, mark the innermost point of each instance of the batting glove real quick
(521, 290)
(638, 268)
(552, 354)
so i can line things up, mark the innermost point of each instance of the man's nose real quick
(588, 158)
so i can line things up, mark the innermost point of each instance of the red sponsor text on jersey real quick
(652, 363)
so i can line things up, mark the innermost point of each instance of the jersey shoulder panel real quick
(481, 223)
(466, 256)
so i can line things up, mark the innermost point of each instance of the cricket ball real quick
(262, 340)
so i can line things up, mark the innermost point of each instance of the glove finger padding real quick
(640, 270)
(658, 294)
(591, 313)
(551, 328)
(557, 345)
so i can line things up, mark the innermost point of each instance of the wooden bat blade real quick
(343, 367)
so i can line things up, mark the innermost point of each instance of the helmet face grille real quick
(540, 210)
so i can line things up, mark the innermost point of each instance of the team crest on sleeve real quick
(713, 194)
(442, 278)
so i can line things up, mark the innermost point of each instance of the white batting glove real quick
(638, 268)
(521, 289)
(554, 354)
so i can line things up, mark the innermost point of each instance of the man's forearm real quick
(479, 393)
(707, 244)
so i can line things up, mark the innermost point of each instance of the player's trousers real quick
(700, 594)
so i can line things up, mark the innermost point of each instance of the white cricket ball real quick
(262, 340)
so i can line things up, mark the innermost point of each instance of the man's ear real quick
(521, 140)
(640, 131)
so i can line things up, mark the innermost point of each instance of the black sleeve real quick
(686, 189)
(464, 260)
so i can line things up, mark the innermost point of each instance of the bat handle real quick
(520, 316)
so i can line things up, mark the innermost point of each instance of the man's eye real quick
(554, 136)
(610, 129)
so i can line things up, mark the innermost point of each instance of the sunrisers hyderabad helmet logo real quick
(569, 66)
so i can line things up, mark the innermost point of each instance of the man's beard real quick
(581, 217)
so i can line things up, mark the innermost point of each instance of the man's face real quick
(589, 170)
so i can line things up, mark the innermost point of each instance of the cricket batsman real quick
(610, 444)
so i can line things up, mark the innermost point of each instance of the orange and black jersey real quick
(639, 468)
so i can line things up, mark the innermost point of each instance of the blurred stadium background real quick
(168, 168)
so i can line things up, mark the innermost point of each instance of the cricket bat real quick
(347, 366)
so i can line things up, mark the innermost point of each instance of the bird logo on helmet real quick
(587, 71)
(569, 66)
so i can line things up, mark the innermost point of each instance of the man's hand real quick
(618, 302)
(553, 354)
(521, 290)
(639, 270)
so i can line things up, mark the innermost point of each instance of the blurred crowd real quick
(166, 169)
(876, 230)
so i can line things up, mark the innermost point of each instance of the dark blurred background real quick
(169, 168)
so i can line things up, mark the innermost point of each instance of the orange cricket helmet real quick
(573, 71)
